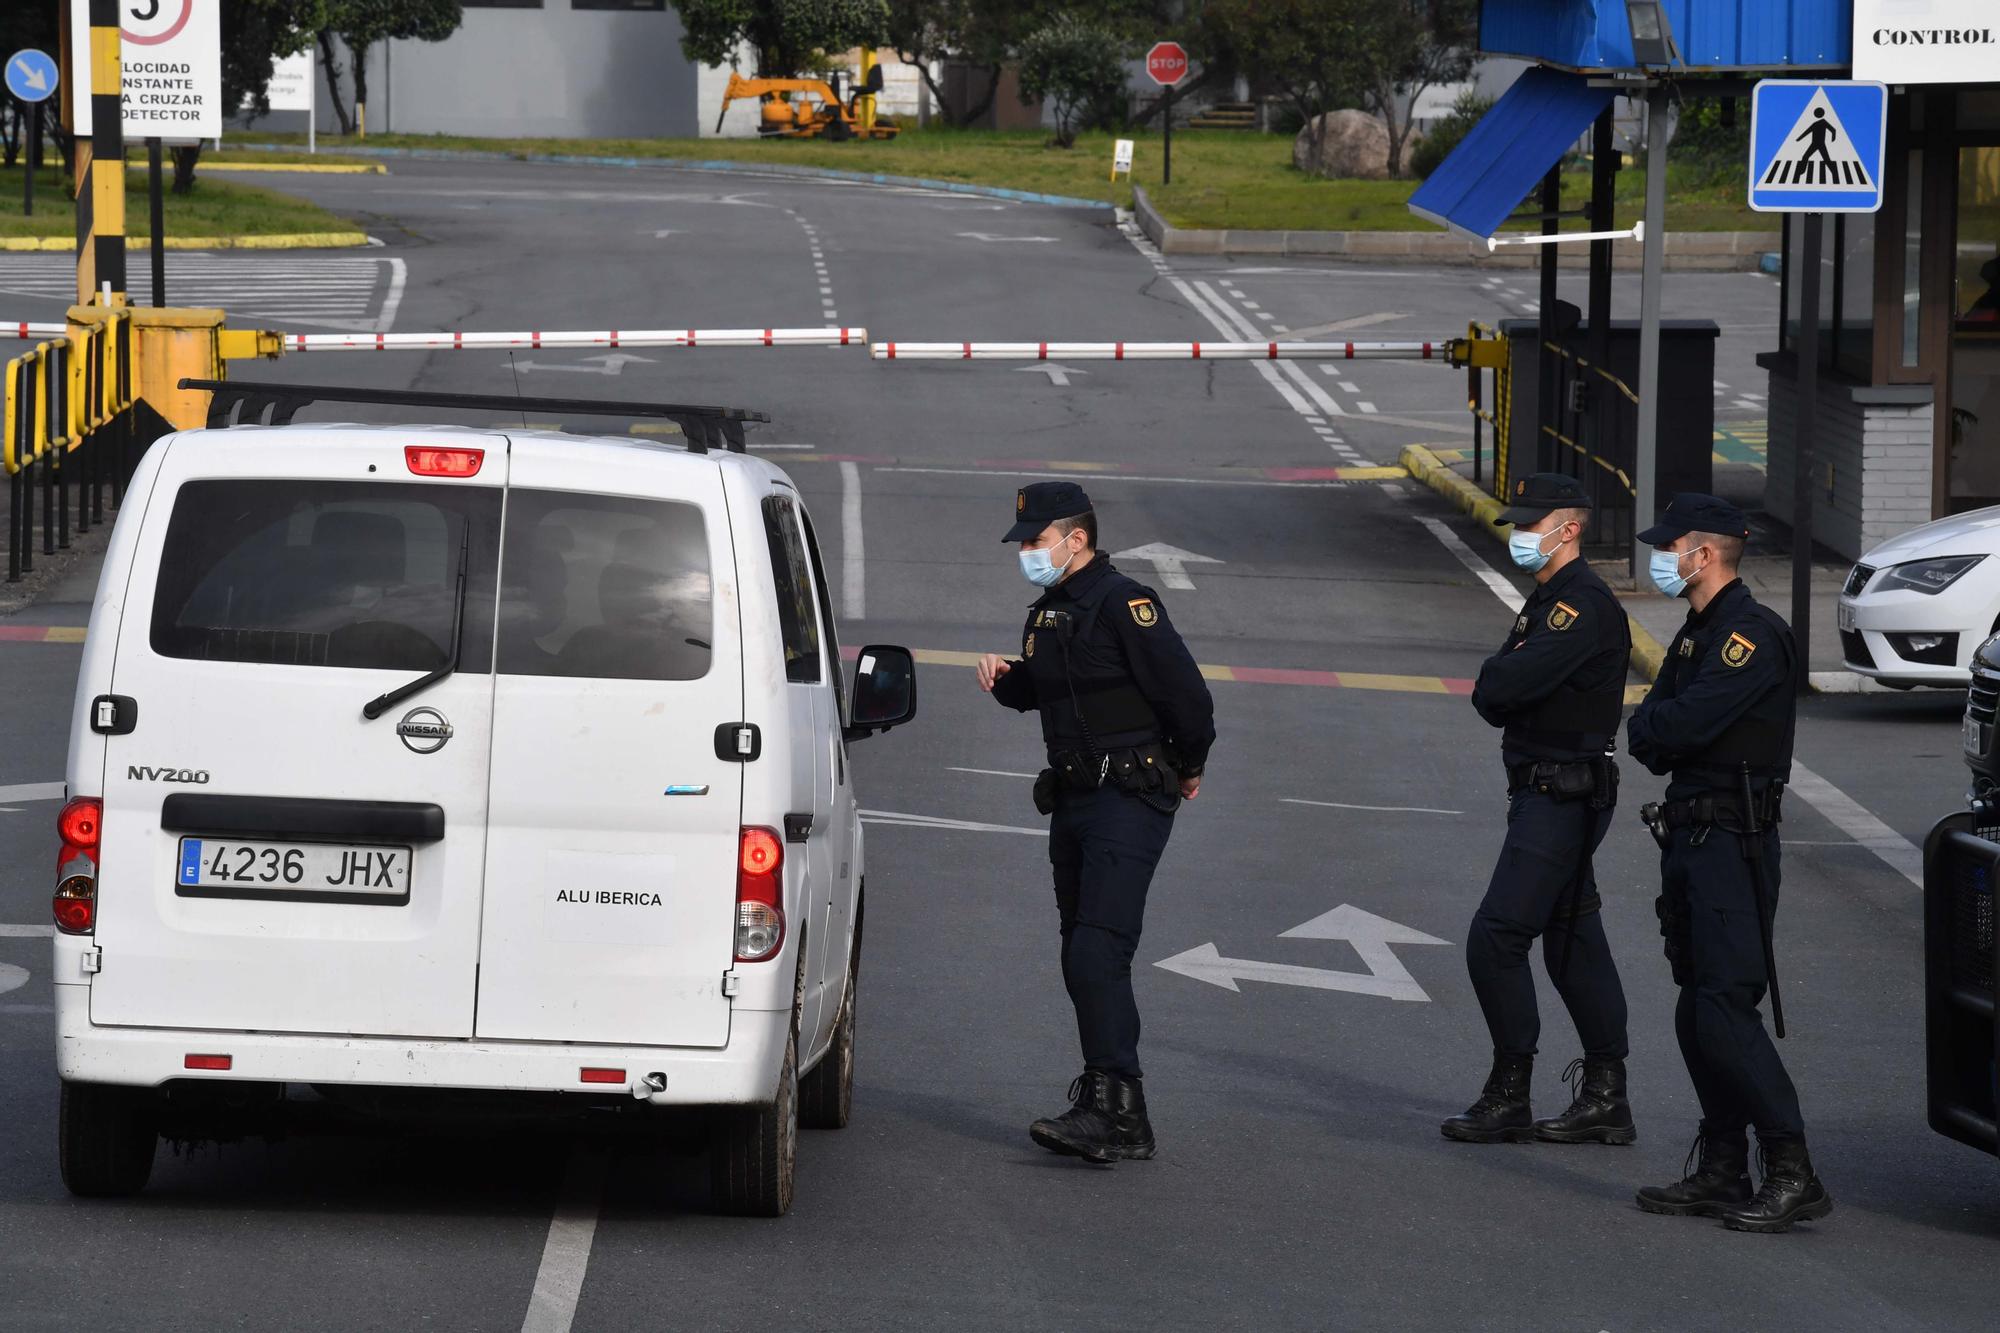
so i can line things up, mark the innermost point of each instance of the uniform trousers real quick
(1711, 900)
(1103, 845)
(1543, 886)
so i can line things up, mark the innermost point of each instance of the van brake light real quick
(760, 895)
(81, 828)
(425, 461)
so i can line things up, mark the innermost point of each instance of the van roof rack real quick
(248, 402)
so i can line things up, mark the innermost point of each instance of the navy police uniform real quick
(1718, 723)
(1125, 716)
(1556, 688)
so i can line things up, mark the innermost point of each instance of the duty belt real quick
(1566, 779)
(1723, 809)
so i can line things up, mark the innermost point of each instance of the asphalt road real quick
(1302, 1182)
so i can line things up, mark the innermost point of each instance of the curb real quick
(374, 168)
(304, 240)
(712, 164)
(1687, 251)
(1647, 653)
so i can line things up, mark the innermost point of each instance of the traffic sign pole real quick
(1805, 427)
(1167, 142)
(1167, 65)
(32, 140)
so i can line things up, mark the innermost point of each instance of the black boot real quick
(1502, 1113)
(1790, 1192)
(1722, 1180)
(1598, 1111)
(1128, 1113)
(1089, 1129)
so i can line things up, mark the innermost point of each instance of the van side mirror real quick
(885, 690)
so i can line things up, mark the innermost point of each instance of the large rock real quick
(1352, 144)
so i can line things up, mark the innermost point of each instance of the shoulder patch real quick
(1144, 614)
(1562, 615)
(1028, 645)
(1737, 650)
(1521, 623)
(1686, 647)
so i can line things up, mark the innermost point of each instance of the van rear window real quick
(603, 586)
(326, 574)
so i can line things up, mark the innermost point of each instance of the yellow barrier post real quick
(100, 167)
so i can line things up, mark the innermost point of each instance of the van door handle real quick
(798, 828)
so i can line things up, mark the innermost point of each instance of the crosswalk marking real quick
(354, 294)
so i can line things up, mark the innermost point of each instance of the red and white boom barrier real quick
(23, 329)
(1123, 351)
(460, 340)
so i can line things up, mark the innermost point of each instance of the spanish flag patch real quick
(1144, 614)
(1561, 616)
(1737, 651)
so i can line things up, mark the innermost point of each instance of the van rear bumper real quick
(744, 1072)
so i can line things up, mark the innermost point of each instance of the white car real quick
(1915, 609)
(413, 763)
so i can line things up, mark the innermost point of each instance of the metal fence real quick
(1961, 957)
(66, 426)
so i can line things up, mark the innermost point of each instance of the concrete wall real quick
(1874, 445)
(552, 71)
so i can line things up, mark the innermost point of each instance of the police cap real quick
(1691, 511)
(1532, 497)
(1037, 506)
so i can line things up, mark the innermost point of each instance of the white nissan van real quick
(449, 759)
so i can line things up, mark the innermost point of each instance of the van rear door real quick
(273, 859)
(611, 883)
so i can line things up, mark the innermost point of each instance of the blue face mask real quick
(1665, 568)
(1038, 569)
(1526, 549)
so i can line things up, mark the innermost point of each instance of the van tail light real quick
(81, 828)
(428, 462)
(760, 895)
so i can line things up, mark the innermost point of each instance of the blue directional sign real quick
(1816, 145)
(31, 75)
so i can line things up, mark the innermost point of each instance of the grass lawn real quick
(1223, 178)
(215, 208)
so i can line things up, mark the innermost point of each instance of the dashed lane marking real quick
(8, 932)
(359, 294)
(1377, 809)
(566, 1253)
(897, 818)
(34, 791)
(987, 772)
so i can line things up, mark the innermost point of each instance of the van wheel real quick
(753, 1152)
(106, 1139)
(826, 1095)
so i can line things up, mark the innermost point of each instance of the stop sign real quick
(1167, 62)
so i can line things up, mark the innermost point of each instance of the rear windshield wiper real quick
(381, 703)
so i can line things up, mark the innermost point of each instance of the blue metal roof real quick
(1711, 34)
(1509, 151)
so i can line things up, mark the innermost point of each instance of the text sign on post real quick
(172, 54)
(1167, 63)
(291, 86)
(1817, 145)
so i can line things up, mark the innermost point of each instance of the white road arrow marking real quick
(34, 78)
(1370, 935)
(1169, 561)
(610, 364)
(663, 233)
(1058, 375)
(990, 238)
(12, 978)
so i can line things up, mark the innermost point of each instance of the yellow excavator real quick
(812, 108)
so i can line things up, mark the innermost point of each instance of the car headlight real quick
(1929, 576)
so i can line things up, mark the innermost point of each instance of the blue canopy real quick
(1509, 151)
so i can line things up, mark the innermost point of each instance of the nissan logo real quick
(424, 730)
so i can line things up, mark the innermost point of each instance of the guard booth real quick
(1961, 959)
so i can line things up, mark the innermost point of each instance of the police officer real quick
(1557, 688)
(1719, 720)
(1128, 722)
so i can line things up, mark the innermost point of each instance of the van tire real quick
(106, 1138)
(753, 1151)
(826, 1095)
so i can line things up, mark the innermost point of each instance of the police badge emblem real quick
(1562, 616)
(1144, 614)
(1028, 647)
(1020, 501)
(1737, 651)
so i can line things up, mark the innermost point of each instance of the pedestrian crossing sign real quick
(1816, 145)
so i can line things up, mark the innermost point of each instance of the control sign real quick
(1816, 146)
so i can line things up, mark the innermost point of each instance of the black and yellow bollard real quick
(100, 167)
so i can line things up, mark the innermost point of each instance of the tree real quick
(1076, 66)
(361, 23)
(1378, 54)
(787, 35)
(982, 33)
(255, 33)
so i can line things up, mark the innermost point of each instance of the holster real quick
(1724, 810)
(1676, 943)
(1595, 780)
(1045, 791)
